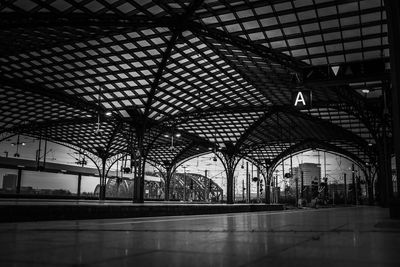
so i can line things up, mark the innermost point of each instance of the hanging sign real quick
(302, 99)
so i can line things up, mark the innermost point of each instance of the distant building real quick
(311, 172)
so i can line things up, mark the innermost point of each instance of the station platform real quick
(12, 210)
(351, 236)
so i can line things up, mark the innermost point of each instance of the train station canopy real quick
(263, 79)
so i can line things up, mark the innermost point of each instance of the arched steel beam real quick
(121, 156)
(185, 117)
(117, 128)
(291, 111)
(179, 163)
(313, 143)
(182, 152)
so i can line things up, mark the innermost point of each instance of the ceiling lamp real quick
(365, 91)
(108, 113)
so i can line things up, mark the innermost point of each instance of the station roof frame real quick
(213, 70)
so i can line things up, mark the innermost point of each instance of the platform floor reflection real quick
(361, 236)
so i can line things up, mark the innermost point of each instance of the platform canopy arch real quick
(116, 77)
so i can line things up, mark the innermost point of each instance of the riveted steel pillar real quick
(102, 192)
(393, 22)
(138, 157)
(168, 177)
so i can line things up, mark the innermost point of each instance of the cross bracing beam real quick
(185, 117)
(27, 127)
(291, 111)
(58, 95)
(239, 42)
(219, 9)
(160, 70)
(136, 22)
(179, 26)
(10, 21)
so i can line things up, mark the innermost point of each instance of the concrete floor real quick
(362, 236)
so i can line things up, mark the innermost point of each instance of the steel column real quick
(78, 193)
(345, 188)
(247, 183)
(353, 181)
(393, 22)
(18, 189)
(302, 185)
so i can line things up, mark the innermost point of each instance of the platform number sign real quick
(302, 99)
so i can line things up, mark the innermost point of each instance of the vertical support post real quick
(251, 179)
(353, 181)
(258, 184)
(302, 184)
(243, 191)
(267, 189)
(102, 193)
(45, 152)
(206, 185)
(19, 177)
(370, 187)
(78, 193)
(297, 191)
(393, 22)
(139, 157)
(38, 152)
(296, 180)
(184, 187)
(229, 185)
(267, 182)
(247, 183)
(284, 180)
(345, 188)
(168, 176)
(357, 185)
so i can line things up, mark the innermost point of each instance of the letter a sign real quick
(301, 99)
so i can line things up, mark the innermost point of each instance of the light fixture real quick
(369, 144)
(166, 135)
(178, 135)
(23, 143)
(108, 113)
(365, 91)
